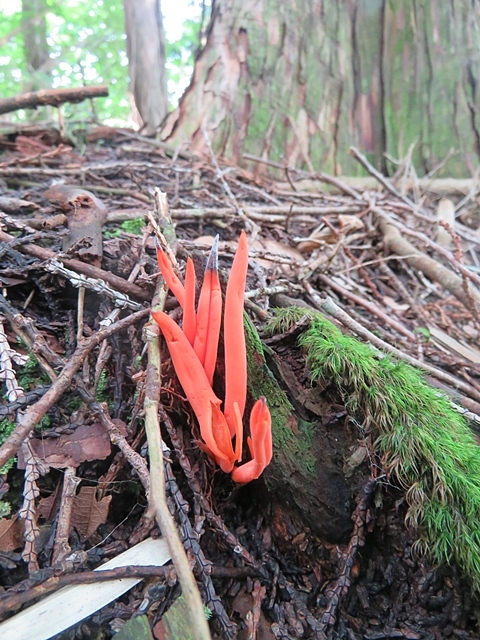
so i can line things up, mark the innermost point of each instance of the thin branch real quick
(158, 500)
(35, 412)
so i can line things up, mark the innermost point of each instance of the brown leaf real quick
(323, 234)
(48, 507)
(272, 247)
(88, 513)
(86, 443)
(11, 534)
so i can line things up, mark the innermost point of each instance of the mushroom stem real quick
(189, 315)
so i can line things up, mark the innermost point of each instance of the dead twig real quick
(328, 306)
(62, 547)
(35, 412)
(157, 501)
(82, 267)
(51, 97)
(430, 267)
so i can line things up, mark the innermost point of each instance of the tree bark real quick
(299, 83)
(146, 61)
(36, 49)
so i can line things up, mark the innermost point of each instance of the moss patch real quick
(424, 443)
(262, 383)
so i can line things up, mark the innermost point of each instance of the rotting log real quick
(305, 479)
(85, 217)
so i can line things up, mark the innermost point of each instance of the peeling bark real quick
(299, 83)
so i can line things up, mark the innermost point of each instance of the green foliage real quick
(102, 392)
(31, 375)
(423, 441)
(87, 45)
(6, 428)
(207, 611)
(180, 57)
(135, 226)
(5, 509)
(424, 332)
(102, 387)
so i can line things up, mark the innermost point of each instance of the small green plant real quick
(207, 611)
(423, 332)
(6, 428)
(102, 387)
(6, 510)
(135, 226)
(425, 444)
(30, 374)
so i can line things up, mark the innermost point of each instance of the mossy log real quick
(420, 443)
(306, 475)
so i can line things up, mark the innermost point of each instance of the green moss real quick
(423, 442)
(134, 226)
(6, 428)
(262, 383)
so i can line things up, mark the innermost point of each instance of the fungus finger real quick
(234, 336)
(247, 472)
(238, 432)
(221, 437)
(192, 377)
(189, 316)
(260, 442)
(171, 278)
(209, 315)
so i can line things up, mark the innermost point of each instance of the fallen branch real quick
(51, 97)
(157, 501)
(120, 284)
(430, 267)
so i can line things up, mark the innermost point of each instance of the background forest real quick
(305, 175)
(68, 43)
(396, 79)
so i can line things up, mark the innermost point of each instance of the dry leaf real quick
(86, 443)
(464, 350)
(11, 534)
(276, 249)
(279, 249)
(349, 223)
(88, 513)
(323, 234)
(394, 305)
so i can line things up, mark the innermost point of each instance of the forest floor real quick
(384, 262)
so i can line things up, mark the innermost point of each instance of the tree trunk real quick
(146, 61)
(299, 83)
(36, 50)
